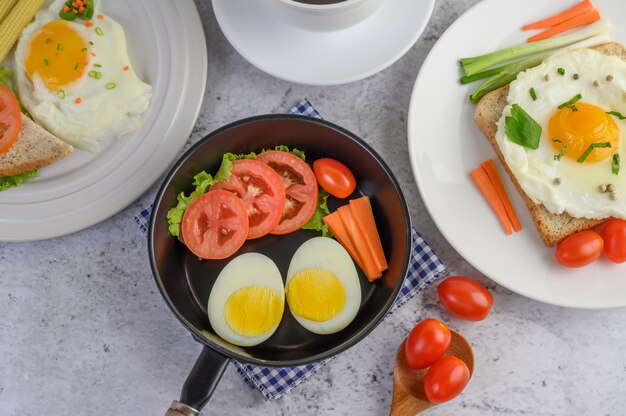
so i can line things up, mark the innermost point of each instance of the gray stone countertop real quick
(84, 331)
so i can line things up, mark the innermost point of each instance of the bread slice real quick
(35, 148)
(552, 227)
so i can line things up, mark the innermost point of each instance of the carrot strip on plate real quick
(574, 22)
(482, 181)
(370, 269)
(492, 173)
(579, 8)
(362, 212)
(335, 225)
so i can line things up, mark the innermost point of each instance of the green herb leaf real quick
(561, 71)
(592, 146)
(616, 114)
(521, 128)
(99, 31)
(110, 85)
(615, 164)
(61, 94)
(59, 47)
(299, 153)
(560, 155)
(574, 99)
(533, 94)
(7, 182)
(317, 220)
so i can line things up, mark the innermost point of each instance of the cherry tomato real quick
(426, 343)
(446, 379)
(215, 225)
(301, 188)
(262, 192)
(579, 249)
(614, 235)
(334, 177)
(10, 119)
(465, 298)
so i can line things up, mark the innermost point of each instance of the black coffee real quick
(319, 1)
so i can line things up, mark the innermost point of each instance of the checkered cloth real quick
(274, 382)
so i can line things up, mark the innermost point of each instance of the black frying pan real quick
(185, 281)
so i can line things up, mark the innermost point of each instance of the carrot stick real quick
(370, 270)
(574, 22)
(492, 173)
(362, 212)
(579, 8)
(482, 181)
(335, 225)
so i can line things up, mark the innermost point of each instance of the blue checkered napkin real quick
(274, 382)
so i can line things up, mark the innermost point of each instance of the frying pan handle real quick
(200, 384)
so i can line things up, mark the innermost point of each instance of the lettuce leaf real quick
(282, 148)
(6, 78)
(317, 220)
(7, 182)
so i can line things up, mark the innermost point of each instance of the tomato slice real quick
(300, 186)
(215, 225)
(10, 119)
(262, 192)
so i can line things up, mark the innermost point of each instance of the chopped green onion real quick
(90, 43)
(92, 74)
(561, 71)
(615, 167)
(533, 94)
(99, 31)
(61, 94)
(48, 40)
(574, 99)
(573, 108)
(97, 65)
(98, 75)
(616, 114)
(110, 85)
(59, 47)
(560, 155)
(592, 146)
(76, 66)
(45, 62)
(84, 50)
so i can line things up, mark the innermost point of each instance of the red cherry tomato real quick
(301, 188)
(614, 235)
(262, 192)
(334, 177)
(579, 249)
(215, 225)
(465, 298)
(426, 343)
(446, 379)
(10, 119)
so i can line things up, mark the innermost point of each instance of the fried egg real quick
(247, 300)
(76, 80)
(587, 85)
(322, 288)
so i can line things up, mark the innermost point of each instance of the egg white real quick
(536, 170)
(328, 254)
(103, 113)
(250, 269)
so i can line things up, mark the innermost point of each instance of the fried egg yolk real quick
(58, 54)
(253, 310)
(581, 125)
(315, 294)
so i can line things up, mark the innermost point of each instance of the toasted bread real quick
(552, 227)
(35, 148)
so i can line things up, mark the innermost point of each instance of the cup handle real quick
(200, 384)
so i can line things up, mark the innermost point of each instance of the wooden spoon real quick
(408, 391)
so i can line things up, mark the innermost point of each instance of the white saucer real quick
(322, 58)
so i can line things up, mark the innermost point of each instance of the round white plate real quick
(322, 58)
(167, 48)
(445, 146)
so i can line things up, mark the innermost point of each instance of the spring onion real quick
(592, 146)
(571, 102)
(616, 114)
(560, 155)
(615, 164)
(533, 94)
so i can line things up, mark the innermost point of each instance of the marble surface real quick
(85, 331)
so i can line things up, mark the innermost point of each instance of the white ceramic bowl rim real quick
(306, 6)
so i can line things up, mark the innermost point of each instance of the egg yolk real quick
(315, 294)
(253, 310)
(58, 54)
(580, 126)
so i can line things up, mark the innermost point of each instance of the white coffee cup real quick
(324, 17)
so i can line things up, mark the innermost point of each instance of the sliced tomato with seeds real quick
(300, 186)
(215, 225)
(10, 119)
(262, 192)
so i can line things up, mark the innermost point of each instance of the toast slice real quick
(552, 227)
(35, 148)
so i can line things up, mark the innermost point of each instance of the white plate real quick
(168, 50)
(445, 145)
(322, 58)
